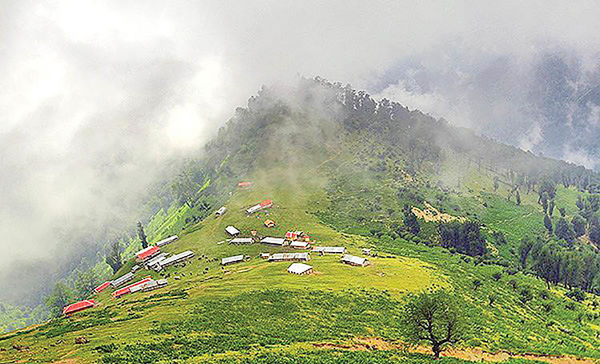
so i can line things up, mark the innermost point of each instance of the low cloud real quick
(100, 99)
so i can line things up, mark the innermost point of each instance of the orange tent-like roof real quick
(78, 306)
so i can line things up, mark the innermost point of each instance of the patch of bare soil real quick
(431, 214)
(472, 354)
(67, 361)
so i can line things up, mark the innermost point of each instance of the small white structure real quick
(329, 249)
(299, 244)
(232, 231)
(135, 268)
(278, 257)
(188, 254)
(221, 211)
(366, 251)
(273, 241)
(354, 260)
(168, 240)
(231, 260)
(241, 241)
(265, 255)
(122, 279)
(300, 268)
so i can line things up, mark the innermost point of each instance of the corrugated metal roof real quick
(125, 290)
(273, 241)
(353, 259)
(177, 258)
(289, 256)
(148, 252)
(299, 268)
(299, 244)
(232, 230)
(330, 249)
(241, 241)
(102, 287)
(168, 240)
(122, 279)
(234, 259)
(254, 209)
(156, 259)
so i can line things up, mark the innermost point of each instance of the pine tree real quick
(142, 235)
(548, 223)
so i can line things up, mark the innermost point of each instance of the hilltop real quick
(345, 169)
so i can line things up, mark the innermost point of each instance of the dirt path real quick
(472, 354)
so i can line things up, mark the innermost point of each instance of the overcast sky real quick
(97, 97)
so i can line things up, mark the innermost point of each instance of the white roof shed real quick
(231, 260)
(300, 268)
(241, 241)
(354, 260)
(273, 241)
(232, 230)
(330, 249)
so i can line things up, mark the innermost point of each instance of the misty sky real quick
(97, 99)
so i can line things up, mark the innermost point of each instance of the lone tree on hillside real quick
(113, 257)
(60, 296)
(142, 235)
(434, 318)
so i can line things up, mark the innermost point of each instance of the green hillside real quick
(346, 176)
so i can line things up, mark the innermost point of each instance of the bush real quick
(576, 294)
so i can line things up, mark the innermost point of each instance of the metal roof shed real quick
(241, 241)
(231, 260)
(122, 279)
(330, 249)
(299, 244)
(176, 258)
(300, 268)
(289, 256)
(102, 287)
(148, 253)
(232, 230)
(168, 240)
(354, 260)
(78, 306)
(273, 241)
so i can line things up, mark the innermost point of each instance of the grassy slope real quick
(255, 310)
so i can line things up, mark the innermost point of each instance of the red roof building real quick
(78, 306)
(244, 184)
(102, 287)
(148, 252)
(126, 290)
(291, 235)
(266, 203)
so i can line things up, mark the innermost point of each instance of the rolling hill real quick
(342, 168)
